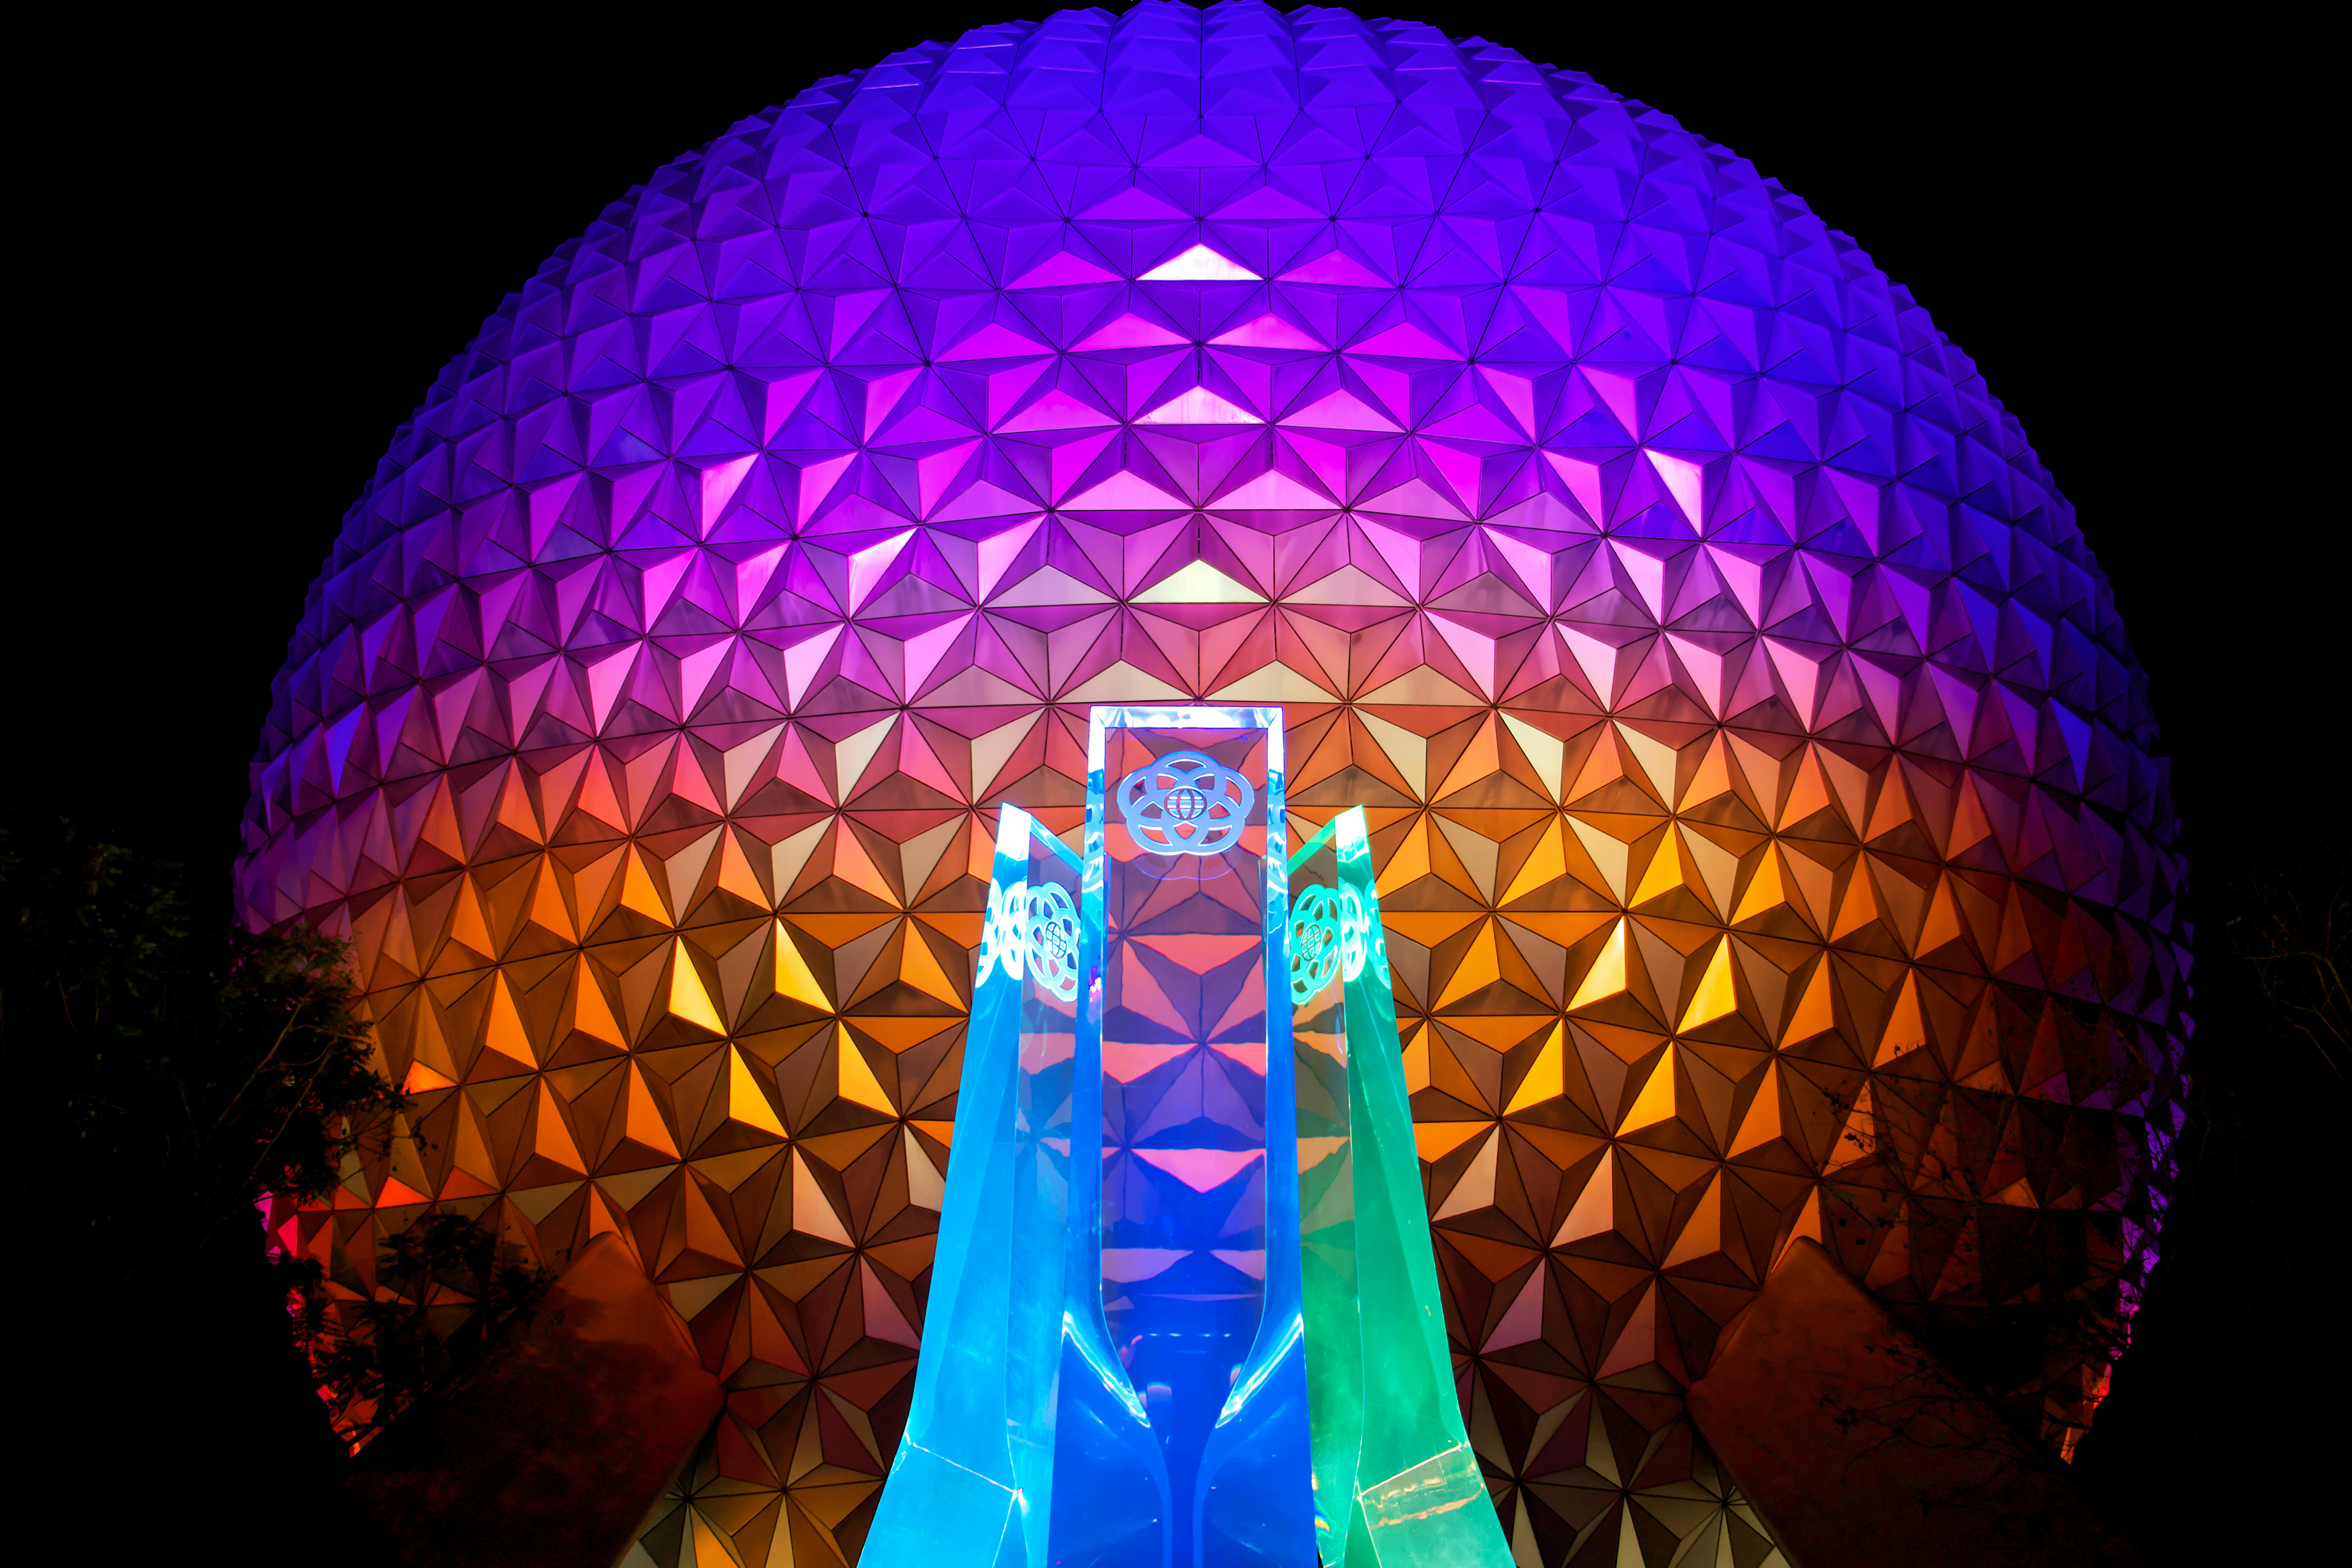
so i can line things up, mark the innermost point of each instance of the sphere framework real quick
(1770, 837)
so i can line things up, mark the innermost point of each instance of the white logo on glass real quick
(1186, 803)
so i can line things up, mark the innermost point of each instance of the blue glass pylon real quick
(1148, 1342)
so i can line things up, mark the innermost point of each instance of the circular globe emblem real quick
(1317, 949)
(1050, 942)
(1186, 803)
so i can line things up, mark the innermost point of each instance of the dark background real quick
(256, 245)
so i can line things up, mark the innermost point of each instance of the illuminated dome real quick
(1771, 836)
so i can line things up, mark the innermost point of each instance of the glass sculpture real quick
(1769, 819)
(1184, 1308)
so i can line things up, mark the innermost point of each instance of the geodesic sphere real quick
(1772, 839)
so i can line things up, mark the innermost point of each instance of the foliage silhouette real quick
(381, 1356)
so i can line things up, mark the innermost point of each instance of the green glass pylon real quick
(1397, 1483)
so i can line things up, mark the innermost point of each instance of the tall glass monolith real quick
(1184, 1311)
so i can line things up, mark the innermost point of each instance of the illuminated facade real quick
(1760, 793)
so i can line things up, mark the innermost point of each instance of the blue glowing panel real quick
(1200, 1221)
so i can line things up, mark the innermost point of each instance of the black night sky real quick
(258, 246)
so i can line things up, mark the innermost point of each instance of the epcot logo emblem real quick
(1185, 803)
(1037, 926)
